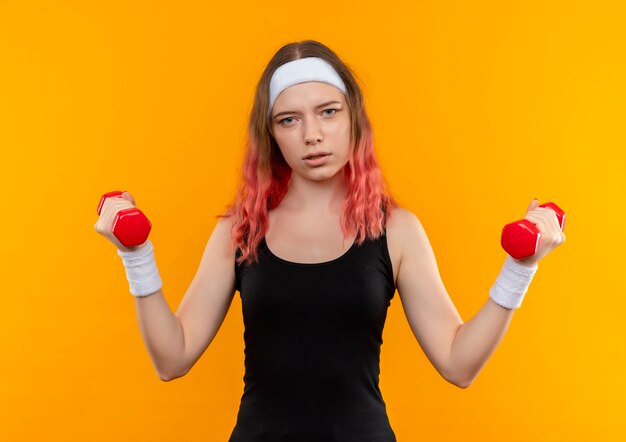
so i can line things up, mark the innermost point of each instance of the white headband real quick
(301, 71)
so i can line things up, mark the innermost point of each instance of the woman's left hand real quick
(551, 235)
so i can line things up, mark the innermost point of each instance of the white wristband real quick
(141, 270)
(512, 283)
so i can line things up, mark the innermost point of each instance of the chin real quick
(320, 175)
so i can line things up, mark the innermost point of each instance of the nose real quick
(312, 132)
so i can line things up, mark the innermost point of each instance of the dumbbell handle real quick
(130, 226)
(520, 239)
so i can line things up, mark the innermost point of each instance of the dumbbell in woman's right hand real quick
(121, 222)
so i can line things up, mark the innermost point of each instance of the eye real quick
(291, 118)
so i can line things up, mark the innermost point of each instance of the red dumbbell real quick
(130, 226)
(521, 238)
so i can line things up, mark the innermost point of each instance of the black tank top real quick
(313, 333)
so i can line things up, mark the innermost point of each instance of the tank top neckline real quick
(309, 264)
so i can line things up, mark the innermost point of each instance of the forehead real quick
(305, 94)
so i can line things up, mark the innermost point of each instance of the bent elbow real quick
(168, 378)
(463, 385)
(459, 383)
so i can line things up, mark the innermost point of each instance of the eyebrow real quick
(316, 107)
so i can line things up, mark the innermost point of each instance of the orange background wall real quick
(477, 108)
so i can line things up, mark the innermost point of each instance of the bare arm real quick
(430, 312)
(162, 333)
(477, 339)
(176, 341)
(457, 349)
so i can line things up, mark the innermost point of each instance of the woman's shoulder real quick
(400, 220)
(401, 224)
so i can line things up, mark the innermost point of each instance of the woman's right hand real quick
(104, 225)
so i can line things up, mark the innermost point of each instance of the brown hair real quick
(265, 173)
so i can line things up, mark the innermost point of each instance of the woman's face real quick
(308, 118)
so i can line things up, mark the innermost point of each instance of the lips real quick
(316, 155)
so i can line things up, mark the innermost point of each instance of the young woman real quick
(317, 247)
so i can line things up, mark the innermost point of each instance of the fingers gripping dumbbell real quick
(130, 226)
(520, 239)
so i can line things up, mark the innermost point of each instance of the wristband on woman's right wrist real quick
(141, 270)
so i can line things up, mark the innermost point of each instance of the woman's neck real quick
(315, 196)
